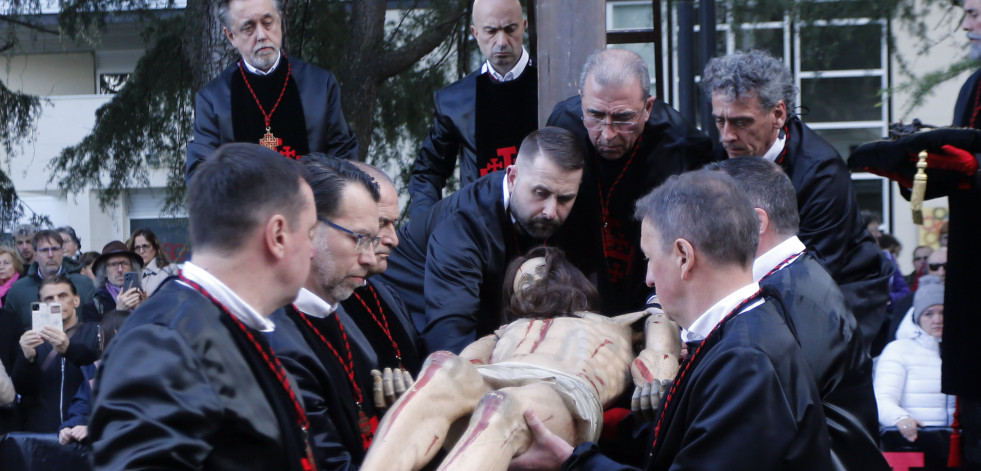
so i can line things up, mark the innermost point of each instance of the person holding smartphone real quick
(117, 273)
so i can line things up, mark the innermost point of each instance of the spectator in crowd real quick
(11, 266)
(7, 392)
(48, 371)
(907, 375)
(49, 261)
(872, 222)
(920, 255)
(71, 244)
(156, 265)
(110, 270)
(897, 284)
(75, 428)
(24, 240)
(466, 119)
(937, 263)
(86, 260)
(944, 234)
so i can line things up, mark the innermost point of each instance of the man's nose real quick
(367, 257)
(728, 133)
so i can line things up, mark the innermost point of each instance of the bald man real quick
(484, 116)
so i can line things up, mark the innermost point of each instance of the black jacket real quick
(454, 132)
(748, 402)
(327, 131)
(47, 384)
(369, 336)
(962, 352)
(101, 303)
(669, 146)
(323, 384)
(826, 330)
(450, 264)
(180, 389)
(832, 228)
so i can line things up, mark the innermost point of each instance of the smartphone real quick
(131, 280)
(44, 314)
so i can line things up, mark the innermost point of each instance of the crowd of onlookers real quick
(46, 373)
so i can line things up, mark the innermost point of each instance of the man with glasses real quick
(450, 263)
(49, 260)
(110, 270)
(633, 143)
(316, 343)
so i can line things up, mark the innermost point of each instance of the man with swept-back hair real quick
(753, 106)
(189, 381)
(633, 142)
(266, 97)
(824, 325)
(450, 261)
(744, 398)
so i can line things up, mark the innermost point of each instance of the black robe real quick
(377, 347)
(832, 228)
(749, 402)
(826, 330)
(324, 387)
(179, 389)
(669, 146)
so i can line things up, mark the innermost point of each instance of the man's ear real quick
(473, 31)
(511, 174)
(764, 220)
(779, 114)
(685, 254)
(276, 236)
(228, 34)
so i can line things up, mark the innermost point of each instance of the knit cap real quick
(930, 292)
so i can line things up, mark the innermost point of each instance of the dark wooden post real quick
(568, 32)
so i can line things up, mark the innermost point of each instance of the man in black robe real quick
(752, 97)
(450, 264)
(484, 116)
(633, 143)
(821, 319)
(189, 382)
(321, 347)
(266, 97)
(745, 397)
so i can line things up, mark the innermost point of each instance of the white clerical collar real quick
(259, 72)
(512, 74)
(792, 247)
(224, 295)
(776, 148)
(313, 305)
(704, 324)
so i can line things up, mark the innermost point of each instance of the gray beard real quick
(975, 51)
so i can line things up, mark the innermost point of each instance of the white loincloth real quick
(578, 395)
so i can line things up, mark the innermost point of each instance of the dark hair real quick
(71, 234)
(869, 217)
(238, 188)
(109, 326)
(562, 289)
(887, 242)
(46, 235)
(767, 187)
(328, 176)
(24, 230)
(151, 239)
(56, 280)
(559, 145)
(709, 210)
(87, 258)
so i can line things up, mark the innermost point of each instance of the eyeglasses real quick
(119, 264)
(142, 248)
(55, 249)
(365, 242)
(937, 266)
(622, 127)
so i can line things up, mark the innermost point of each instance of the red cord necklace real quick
(363, 423)
(382, 322)
(269, 357)
(605, 200)
(268, 139)
(781, 265)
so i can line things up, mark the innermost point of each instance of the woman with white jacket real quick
(907, 376)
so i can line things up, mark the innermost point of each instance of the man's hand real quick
(58, 339)
(77, 433)
(389, 385)
(130, 299)
(547, 450)
(28, 343)
(908, 427)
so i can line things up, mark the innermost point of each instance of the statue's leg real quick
(414, 428)
(498, 432)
